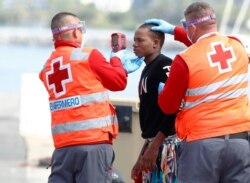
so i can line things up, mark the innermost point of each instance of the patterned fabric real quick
(166, 170)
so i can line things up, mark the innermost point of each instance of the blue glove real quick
(160, 87)
(162, 26)
(120, 54)
(132, 64)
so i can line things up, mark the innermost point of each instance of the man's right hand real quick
(162, 26)
(132, 64)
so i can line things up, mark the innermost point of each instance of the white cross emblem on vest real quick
(58, 76)
(221, 57)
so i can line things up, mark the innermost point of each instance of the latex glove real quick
(162, 26)
(120, 54)
(132, 64)
(160, 87)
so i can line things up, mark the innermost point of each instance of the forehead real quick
(142, 32)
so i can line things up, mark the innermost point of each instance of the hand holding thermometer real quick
(118, 41)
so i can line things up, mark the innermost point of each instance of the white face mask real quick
(82, 45)
(190, 38)
(83, 40)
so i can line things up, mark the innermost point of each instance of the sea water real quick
(16, 60)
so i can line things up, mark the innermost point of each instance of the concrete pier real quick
(14, 164)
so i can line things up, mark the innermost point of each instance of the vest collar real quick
(207, 35)
(59, 43)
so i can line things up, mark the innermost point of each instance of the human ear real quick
(156, 43)
(75, 35)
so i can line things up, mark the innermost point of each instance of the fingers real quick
(139, 61)
(134, 177)
(147, 164)
(153, 20)
(156, 28)
(134, 173)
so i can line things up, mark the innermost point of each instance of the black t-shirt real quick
(152, 119)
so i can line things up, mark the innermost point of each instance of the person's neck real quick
(206, 35)
(59, 43)
(150, 58)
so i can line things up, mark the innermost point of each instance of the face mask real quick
(82, 45)
(190, 38)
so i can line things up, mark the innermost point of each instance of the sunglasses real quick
(80, 26)
(186, 24)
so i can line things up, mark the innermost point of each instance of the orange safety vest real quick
(80, 109)
(216, 101)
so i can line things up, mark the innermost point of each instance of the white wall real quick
(34, 107)
(35, 118)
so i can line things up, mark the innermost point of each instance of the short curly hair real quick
(154, 34)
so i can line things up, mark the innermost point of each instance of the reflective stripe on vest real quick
(84, 125)
(75, 101)
(78, 55)
(226, 95)
(213, 87)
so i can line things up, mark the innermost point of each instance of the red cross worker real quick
(83, 120)
(210, 80)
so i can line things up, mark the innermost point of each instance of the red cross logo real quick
(58, 76)
(221, 57)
